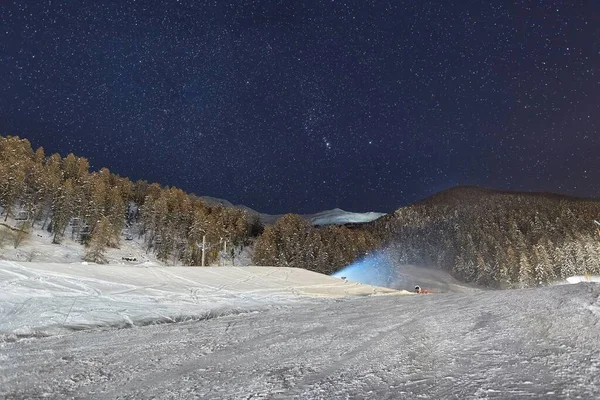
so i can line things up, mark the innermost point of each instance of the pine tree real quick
(62, 209)
(15, 157)
(34, 195)
(99, 240)
(283, 244)
(115, 212)
(75, 168)
(525, 270)
(543, 270)
(266, 248)
(50, 186)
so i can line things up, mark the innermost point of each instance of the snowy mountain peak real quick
(336, 216)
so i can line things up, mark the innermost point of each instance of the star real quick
(286, 95)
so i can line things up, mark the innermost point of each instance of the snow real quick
(38, 246)
(583, 278)
(336, 216)
(339, 217)
(39, 299)
(257, 332)
(532, 343)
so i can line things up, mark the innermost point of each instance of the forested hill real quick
(489, 237)
(100, 209)
(496, 238)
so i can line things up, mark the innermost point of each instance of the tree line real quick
(100, 209)
(293, 242)
(59, 193)
(496, 239)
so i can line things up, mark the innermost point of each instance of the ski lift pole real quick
(203, 248)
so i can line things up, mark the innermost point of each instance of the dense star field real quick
(302, 106)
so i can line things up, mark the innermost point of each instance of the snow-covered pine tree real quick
(99, 240)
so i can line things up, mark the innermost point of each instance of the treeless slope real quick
(43, 299)
(539, 343)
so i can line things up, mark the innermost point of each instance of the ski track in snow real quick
(42, 299)
(534, 343)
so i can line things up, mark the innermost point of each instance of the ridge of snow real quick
(498, 344)
(41, 299)
(583, 278)
(339, 216)
(335, 216)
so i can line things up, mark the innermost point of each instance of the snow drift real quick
(583, 278)
(338, 216)
(45, 299)
(541, 343)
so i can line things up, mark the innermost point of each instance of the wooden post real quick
(203, 248)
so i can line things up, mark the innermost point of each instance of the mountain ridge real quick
(461, 190)
(496, 238)
(335, 216)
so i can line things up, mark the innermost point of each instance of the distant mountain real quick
(265, 219)
(336, 216)
(99, 209)
(213, 201)
(496, 238)
(340, 217)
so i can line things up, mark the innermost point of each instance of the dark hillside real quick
(496, 238)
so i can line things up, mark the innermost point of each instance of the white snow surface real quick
(38, 246)
(532, 343)
(583, 278)
(40, 299)
(339, 217)
(335, 216)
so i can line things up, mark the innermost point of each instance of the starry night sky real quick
(289, 106)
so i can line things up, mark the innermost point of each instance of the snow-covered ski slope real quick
(38, 299)
(584, 278)
(539, 343)
(38, 247)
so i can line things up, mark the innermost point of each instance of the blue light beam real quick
(373, 269)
